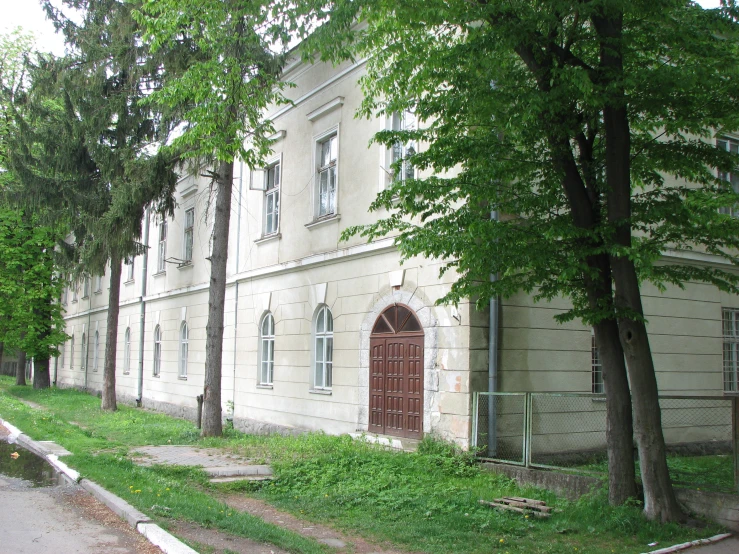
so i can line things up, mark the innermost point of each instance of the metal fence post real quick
(527, 430)
(475, 416)
(735, 438)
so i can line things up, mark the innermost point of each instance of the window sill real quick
(324, 392)
(126, 373)
(98, 292)
(130, 281)
(322, 221)
(181, 378)
(185, 265)
(86, 297)
(598, 398)
(156, 375)
(73, 301)
(268, 387)
(268, 238)
(159, 273)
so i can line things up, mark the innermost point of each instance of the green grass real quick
(422, 502)
(710, 472)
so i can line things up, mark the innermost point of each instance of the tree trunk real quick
(659, 498)
(619, 424)
(212, 423)
(20, 370)
(41, 373)
(108, 400)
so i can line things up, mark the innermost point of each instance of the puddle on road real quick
(26, 466)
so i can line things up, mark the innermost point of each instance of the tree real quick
(590, 125)
(221, 95)
(30, 316)
(85, 130)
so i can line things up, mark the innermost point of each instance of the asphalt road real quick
(61, 520)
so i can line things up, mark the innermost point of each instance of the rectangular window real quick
(403, 151)
(730, 145)
(98, 283)
(327, 154)
(64, 296)
(74, 292)
(272, 199)
(731, 349)
(86, 287)
(129, 269)
(596, 368)
(162, 252)
(189, 229)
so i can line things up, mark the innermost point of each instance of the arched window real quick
(127, 351)
(184, 345)
(267, 350)
(157, 350)
(71, 353)
(95, 353)
(324, 349)
(84, 352)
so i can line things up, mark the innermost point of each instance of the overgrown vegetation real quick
(425, 501)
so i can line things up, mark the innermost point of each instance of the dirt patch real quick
(220, 541)
(352, 543)
(91, 509)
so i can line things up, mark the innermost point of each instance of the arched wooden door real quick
(396, 374)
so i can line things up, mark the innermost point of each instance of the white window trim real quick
(277, 191)
(184, 349)
(728, 139)
(127, 351)
(730, 345)
(317, 141)
(84, 351)
(185, 229)
(156, 368)
(130, 268)
(323, 387)
(270, 362)
(85, 287)
(71, 352)
(162, 247)
(95, 353)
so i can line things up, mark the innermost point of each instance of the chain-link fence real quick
(568, 431)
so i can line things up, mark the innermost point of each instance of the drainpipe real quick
(236, 292)
(493, 348)
(142, 314)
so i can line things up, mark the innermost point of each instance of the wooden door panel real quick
(396, 375)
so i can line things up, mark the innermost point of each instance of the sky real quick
(29, 15)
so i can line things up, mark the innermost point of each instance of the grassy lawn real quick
(713, 472)
(421, 502)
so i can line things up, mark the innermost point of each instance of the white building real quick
(337, 336)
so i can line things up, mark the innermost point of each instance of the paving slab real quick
(214, 461)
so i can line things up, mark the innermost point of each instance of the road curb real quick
(686, 545)
(166, 542)
(169, 544)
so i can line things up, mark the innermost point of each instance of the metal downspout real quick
(493, 347)
(236, 292)
(142, 314)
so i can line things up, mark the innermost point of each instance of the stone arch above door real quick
(424, 314)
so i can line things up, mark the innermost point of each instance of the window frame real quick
(85, 287)
(95, 353)
(98, 284)
(156, 367)
(83, 364)
(320, 168)
(273, 193)
(162, 247)
(730, 338)
(188, 235)
(129, 263)
(71, 352)
(400, 151)
(184, 350)
(596, 368)
(73, 287)
(323, 346)
(127, 351)
(729, 177)
(266, 363)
